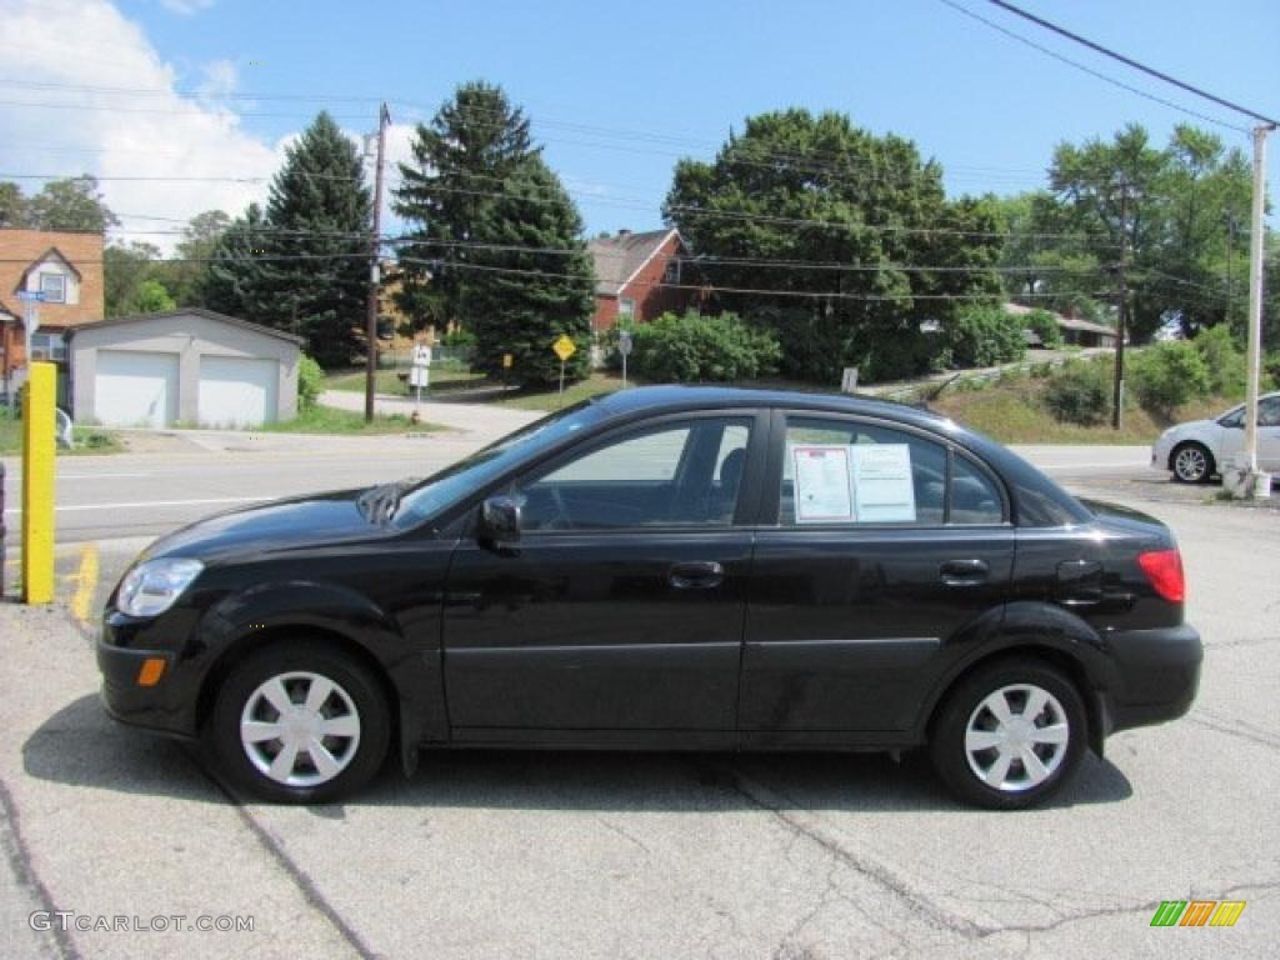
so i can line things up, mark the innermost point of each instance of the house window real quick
(626, 307)
(48, 346)
(54, 287)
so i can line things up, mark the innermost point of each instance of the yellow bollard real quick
(37, 484)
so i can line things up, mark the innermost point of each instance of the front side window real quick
(683, 473)
(848, 472)
(54, 287)
(1269, 412)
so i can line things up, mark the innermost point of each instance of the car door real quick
(885, 545)
(1269, 434)
(618, 614)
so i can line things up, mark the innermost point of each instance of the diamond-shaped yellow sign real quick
(564, 348)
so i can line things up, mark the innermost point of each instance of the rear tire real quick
(299, 723)
(1191, 463)
(1009, 735)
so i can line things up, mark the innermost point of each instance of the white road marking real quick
(101, 476)
(151, 503)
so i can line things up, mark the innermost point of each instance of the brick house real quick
(67, 268)
(631, 270)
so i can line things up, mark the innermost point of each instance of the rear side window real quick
(849, 472)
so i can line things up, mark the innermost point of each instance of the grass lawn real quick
(550, 400)
(329, 420)
(443, 377)
(89, 440)
(1013, 412)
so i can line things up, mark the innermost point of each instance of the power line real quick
(1130, 62)
(1089, 70)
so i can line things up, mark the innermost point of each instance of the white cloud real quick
(186, 8)
(79, 44)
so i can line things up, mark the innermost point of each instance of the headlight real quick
(153, 586)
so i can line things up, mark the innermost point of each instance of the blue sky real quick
(618, 91)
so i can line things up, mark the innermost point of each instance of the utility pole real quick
(375, 250)
(1117, 400)
(1254, 479)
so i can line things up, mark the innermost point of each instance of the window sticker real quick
(882, 483)
(822, 483)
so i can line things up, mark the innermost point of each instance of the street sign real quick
(507, 360)
(564, 348)
(421, 355)
(32, 296)
(420, 376)
(624, 342)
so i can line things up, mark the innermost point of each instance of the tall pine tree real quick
(232, 281)
(532, 281)
(461, 162)
(318, 212)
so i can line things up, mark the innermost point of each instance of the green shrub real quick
(1045, 326)
(1079, 392)
(985, 336)
(458, 338)
(1166, 376)
(693, 349)
(310, 383)
(1223, 361)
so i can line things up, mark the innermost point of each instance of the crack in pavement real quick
(1225, 727)
(19, 856)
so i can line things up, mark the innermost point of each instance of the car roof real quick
(684, 397)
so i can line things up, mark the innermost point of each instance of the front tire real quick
(1191, 463)
(1009, 735)
(299, 723)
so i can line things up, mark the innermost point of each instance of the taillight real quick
(1164, 571)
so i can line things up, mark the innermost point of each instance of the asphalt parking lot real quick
(508, 855)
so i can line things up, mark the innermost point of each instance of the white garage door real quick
(136, 389)
(237, 392)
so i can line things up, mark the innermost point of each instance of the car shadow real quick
(80, 746)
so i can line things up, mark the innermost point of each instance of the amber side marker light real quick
(1164, 571)
(151, 671)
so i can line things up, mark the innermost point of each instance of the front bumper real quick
(1157, 674)
(162, 708)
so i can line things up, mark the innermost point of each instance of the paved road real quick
(507, 855)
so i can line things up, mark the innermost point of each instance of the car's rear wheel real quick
(1010, 734)
(299, 723)
(1191, 463)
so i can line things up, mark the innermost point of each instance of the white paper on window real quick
(882, 483)
(822, 488)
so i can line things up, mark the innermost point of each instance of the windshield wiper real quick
(379, 504)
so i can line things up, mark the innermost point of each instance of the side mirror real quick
(500, 520)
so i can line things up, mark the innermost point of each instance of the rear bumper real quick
(1158, 674)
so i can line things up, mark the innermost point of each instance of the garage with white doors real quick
(191, 367)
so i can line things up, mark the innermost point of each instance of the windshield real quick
(438, 491)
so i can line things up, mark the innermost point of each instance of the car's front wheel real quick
(1009, 735)
(299, 723)
(1192, 463)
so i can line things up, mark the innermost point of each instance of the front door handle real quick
(702, 575)
(964, 573)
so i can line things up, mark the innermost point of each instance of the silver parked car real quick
(1197, 450)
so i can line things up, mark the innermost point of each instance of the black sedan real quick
(669, 568)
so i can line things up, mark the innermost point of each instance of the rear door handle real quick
(964, 573)
(702, 575)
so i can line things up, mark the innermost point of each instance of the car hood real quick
(270, 527)
(1190, 427)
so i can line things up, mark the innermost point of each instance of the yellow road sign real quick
(507, 360)
(564, 348)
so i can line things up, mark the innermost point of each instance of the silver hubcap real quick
(1190, 463)
(1016, 738)
(300, 729)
